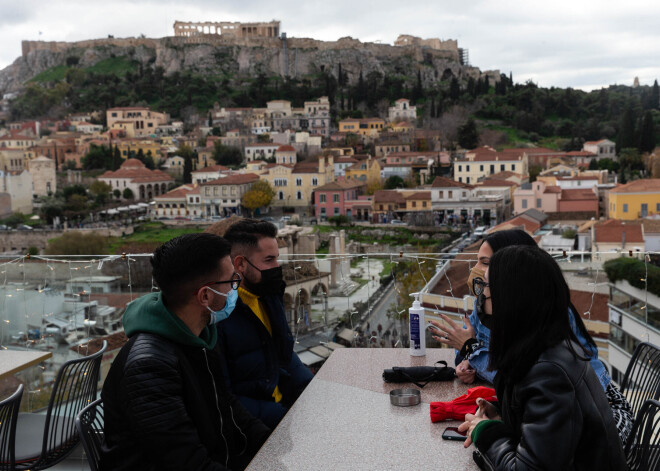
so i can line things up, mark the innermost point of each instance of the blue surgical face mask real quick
(222, 314)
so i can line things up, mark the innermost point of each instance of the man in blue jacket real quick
(262, 370)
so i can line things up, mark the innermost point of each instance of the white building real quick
(402, 111)
(260, 151)
(19, 187)
(207, 174)
(134, 175)
(43, 175)
(604, 149)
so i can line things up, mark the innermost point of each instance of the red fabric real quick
(465, 404)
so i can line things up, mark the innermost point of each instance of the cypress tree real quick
(655, 96)
(647, 134)
(626, 136)
(454, 89)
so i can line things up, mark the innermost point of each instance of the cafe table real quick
(13, 361)
(344, 419)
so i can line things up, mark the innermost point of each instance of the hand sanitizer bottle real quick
(417, 328)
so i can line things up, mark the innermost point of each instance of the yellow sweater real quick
(252, 301)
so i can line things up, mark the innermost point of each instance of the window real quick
(449, 194)
(424, 204)
(524, 204)
(467, 180)
(460, 168)
(298, 181)
(322, 198)
(280, 195)
(513, 167)
(315, 181)
(481, 168)
(492, 169)
(502, 167)
(299, 195)
(625, 207)
(657, 207)
(538, 202)
(414, 204)
(335, 198)
(322, 212)
(336, 211)
(467, 168)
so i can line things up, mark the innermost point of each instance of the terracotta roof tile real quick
(578, 194)
(612, 231)
(647, 185)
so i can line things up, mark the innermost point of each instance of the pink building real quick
(553, 199)
(337, 199)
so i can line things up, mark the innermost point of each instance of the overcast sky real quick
(584, 44)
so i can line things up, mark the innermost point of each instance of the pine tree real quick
(647, 134)
(468, 136)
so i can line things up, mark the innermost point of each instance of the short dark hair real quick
(185, 263)
(530, 309)
(246, 234)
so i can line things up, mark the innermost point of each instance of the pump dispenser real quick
(417, 328)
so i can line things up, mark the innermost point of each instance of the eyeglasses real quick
(235, 282)
(479, 285)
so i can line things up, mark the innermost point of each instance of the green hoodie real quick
(149, 314)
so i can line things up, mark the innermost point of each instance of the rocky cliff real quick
(294, 57)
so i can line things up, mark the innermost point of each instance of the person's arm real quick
(158, 418)
(550, 429)
(298, 373)
(254, 429)
(267, 411)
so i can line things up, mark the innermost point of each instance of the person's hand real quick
(485, 411)
(488, 410)
(465, 372)
(452, 334)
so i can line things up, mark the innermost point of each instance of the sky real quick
(585, 44)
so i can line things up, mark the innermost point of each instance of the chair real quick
(89, 424)
(642, 378)
(75, 387)
(643, 447)
(8, 416)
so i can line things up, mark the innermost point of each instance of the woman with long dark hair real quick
(472, 343)
(553, 411)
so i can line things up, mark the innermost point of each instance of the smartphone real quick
(452, 433)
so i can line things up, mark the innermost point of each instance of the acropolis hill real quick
(248, 49)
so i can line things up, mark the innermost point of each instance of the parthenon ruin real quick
(226, 28)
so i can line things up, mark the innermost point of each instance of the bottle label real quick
(415, 341)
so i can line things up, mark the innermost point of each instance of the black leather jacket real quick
(556, 418)
(167, 408)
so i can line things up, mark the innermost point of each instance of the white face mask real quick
(222, 314)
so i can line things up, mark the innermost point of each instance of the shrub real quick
(634, 271)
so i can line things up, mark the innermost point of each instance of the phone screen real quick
(452, 433)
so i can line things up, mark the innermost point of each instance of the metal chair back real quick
(89, 424)
(75, 388)
(8, 416)
(642, 378)
(643, 447)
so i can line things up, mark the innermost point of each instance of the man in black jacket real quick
(262, 369)
(166, 404)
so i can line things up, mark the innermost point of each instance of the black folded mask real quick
(419, 375)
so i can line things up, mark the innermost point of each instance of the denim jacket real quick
(479, 359)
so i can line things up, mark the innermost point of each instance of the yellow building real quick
(367, 171)
(129, 148)
(402, 126)
(364, 127)
(634, 200)
(294, 185)
(420, 201)
(135, 121)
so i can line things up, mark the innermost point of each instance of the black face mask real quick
(485, 319)
(272, 281)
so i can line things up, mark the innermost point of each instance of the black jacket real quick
(556, 418)
(167, 408)
(257, 361)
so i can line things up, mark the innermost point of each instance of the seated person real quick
(472, 343)
(553, 410)
(261, 367)
(165, 400)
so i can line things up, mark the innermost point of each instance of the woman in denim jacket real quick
(471, 342)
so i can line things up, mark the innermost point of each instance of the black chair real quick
(8, 416)
(642, 378)
(643, 447)
(90, 428)
(75, 388)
